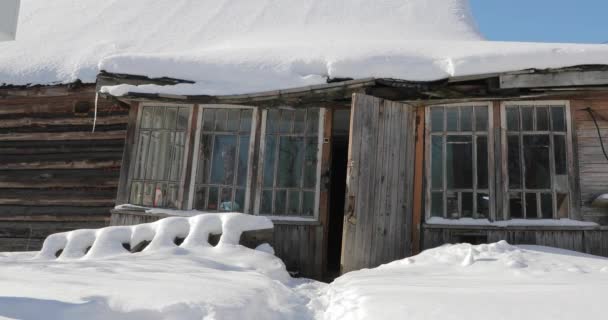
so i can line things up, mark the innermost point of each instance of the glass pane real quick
(243, 160)
(481, 118)
(531, 206)
(559, 143)
(171, 118)
(146, 117)
(536, 159)
(157, 121)
(224, 156)
(209, 120)
(452, 205)
(513, 119)
(136, 190)
(452, 119)
(467, 204)
(308, 204)
(482, 162)
(291, 156)
(272, 121)
(516, 210)
(200, 197)
(239, 201)
(558, 119)
(312, 121)
(310, 170)
(160, 195)
(233, 121)
(182, 118)
(266, 205)
(300, 121)
(172, 195)
(212, 202)
(437, 204)
(483, 206)
(437, 162)
(226, 199)
(246, 117)
(294, 203)
(148, 195)
(466, 119)
(542, 118)
(527, 118)
(546, 205)
(514, 166)
(269, 157)
(280, 200)
(437, 119)
(220, 119)
(459, 162)
(562, 206)
(286, 121)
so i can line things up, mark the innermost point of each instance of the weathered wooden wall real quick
(592, 165)
(55, 174)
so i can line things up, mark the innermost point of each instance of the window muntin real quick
(289, 162)
(160, 156)
(537, 179)
(459, 178)
(223, 165)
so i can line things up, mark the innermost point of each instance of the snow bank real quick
(63, 40)
(493, 281)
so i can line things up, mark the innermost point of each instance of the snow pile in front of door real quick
(489, 281)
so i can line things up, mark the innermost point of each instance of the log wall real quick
(55, 174)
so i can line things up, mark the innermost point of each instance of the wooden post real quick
(418, 181)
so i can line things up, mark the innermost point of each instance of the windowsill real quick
(561, 224)
(293, 220)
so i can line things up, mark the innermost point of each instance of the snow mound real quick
(112, 241)
(462, 281)
(60, 41)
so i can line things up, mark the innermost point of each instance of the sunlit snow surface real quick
(495, 281)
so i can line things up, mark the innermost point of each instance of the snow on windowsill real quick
(510, 223)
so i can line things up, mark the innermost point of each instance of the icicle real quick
(95, 115)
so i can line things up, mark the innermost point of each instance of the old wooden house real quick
(360, 156)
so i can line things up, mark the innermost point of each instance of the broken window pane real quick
(466, 119)
(437, 162)
(483, 206)
(536, 158)
(459, 162)
(436, 119)
(515, 206)
(558, 119)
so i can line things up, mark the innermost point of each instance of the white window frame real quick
(136, 144)
(260, 178)
(196, 153)
(569, 153)
(491, 156)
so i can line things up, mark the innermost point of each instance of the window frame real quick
(570, 156)
(197, 146)
(491, 158)
(134, 149)
(260, 160)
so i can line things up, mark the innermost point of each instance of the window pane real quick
(459, 162)
(483, 206)
(239, 201)
(466, 119)
(294, 203)
(481, 118)
(531, 206)
(286, 121)
(291, 156)
(527, 118)
(299, 121)
(224, 156)
(280, 200)
(542, 118)
(513, 119)
(148, 195)
(172, 195)
(269, 157)
(312, 121)
(452, 119)
(482, 162)
(467, 204)
(233, 120)
(562, 206)
(220, 119)
(212, 203)
(452, 205)
(157, 120)
(171, 118)
(437, 162)
(246, 117)
(200, 198)
(546, 205)
(536, 158)
(160, 195)
(205, 159)
(226, 199)
(558, 119)
(308, 204)
(136, 193)
(146, 117)
(437, 204)
(515, 206)
(437, 119)
(243, 160)
(310, 169)
(272, 121)
(209, 120)
(266, 205)
(514, 166)
(182, 118)
(560, 154)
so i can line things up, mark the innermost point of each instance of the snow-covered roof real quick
(244, 46)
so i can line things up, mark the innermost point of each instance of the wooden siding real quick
(55, 174)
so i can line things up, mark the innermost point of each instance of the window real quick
(458, 178)
(159, 162)
(224, 159)
(537, 160)
(289, 162)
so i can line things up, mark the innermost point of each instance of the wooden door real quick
(378, 213)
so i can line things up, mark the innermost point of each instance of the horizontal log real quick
(20, 244)
(77, 164)
(84, 197)
(65, 129)
(58, 213)
(38, 201)
(64, 136)
(58, 179)
(63, 121)
(31, 229)
(90, 155)
(59, 149)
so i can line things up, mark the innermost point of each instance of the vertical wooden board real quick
(418, 193)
